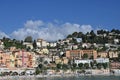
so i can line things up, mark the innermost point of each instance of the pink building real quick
(16, 59)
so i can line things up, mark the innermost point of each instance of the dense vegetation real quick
(16, 43)
(101, 37)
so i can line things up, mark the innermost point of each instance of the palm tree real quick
(105, 65)
(99, 65)
(74, 65)
(86, 65)
(80, 65)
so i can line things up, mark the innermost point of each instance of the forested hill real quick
(102, 36)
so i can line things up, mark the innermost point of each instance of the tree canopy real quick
(28, 39)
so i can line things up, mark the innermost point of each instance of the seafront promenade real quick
(99, 77)
(34, 77)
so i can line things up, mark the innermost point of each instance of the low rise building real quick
(28, 45)
(103, 54)
(1, 44)
(75, 46)
(115, 65)
(49, 60)
(52, 44)
(86, 45)
(65, 60)
(58, 60)
(41, 43)
(102, 60)
(113, 54)
(116, 41)
(83, 61)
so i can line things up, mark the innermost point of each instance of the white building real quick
(79, 40)
(41, 43)
(30, 45)
(1, 44)
(86, 45)
(47, 59)
(45, 51)
(75, 46)
(116, 41)
(83, 61)
(53, 44)
(102, 60)
(69, 47)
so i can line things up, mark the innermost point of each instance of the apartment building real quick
(4, 59)
(79, 54)
(17, 59)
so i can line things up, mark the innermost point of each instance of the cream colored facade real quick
(103, 54)
(63, 60)
(113, 54)
(41, 43)
(58, 60)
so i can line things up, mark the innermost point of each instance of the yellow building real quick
(58, 60)
(12, 61)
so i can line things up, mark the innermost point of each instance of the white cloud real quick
(48, 31)
(86, 28)
(33, 24)
(2, 34)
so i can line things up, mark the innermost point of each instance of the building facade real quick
(79, 54)
(17, 59)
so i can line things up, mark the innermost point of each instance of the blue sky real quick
(14, 14)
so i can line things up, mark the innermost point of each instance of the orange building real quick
(3, 59)
(79, 53)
